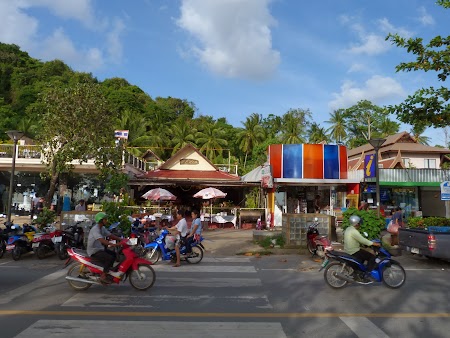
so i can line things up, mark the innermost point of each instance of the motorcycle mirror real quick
(316, 219)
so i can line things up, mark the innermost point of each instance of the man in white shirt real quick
(180, 230)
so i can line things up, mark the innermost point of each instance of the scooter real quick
(72, 237)
(19, 240)
(341, 269)
(317, 243)
(44, 243)
(157, 250)
(86, 272)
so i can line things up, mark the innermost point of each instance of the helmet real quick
(354, 220)
(100, 216)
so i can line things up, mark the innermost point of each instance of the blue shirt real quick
(198, 222)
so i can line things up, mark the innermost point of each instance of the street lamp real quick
(376, 143)
(15, 136)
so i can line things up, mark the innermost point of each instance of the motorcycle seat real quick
(343, 254)
(81, 252)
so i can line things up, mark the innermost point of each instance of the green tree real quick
(388, 127)
(338, 128)
(211, 140)
(182, 133)
(76, 125)
(317, 134)
(417, 134)
(294, 126)
(251, 135)
(427, 106)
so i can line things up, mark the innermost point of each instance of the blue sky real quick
(233, 58)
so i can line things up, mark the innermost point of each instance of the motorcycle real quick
(157, 250)
(72, 237)
(144, 236)
(341, 269)
(19, 240)
(44, 243)
(86, 273)
(316, 243)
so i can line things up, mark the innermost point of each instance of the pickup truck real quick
(433, 242)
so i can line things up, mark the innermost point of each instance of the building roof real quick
(403, 142)
(188, 175)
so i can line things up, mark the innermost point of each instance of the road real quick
(235, 296)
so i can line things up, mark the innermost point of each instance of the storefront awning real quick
(313, 181)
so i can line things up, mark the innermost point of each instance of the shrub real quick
(370, 222)
(269, 242)
(44, 218)
(419, 222)
(117, 212)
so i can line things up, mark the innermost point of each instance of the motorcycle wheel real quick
(143, 278)
(153, 255)
(79, 271)
(196, 256)
(16, 253)
(40, 252)
(394, 276)
(61, 250)
(311, 249)
(330, 275)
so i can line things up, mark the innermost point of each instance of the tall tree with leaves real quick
(251, 135)
(295, 126)
(317, 134)
(428, 107)
(181, 133)
(211, 139)
(417, 134)
(338, 128)
(75, 125)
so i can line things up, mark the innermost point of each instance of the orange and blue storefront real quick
(306, 175)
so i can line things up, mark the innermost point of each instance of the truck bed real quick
(429, 243)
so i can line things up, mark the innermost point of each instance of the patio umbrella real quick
(210, 193)
(159, 194)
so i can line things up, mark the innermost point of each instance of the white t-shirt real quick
(182, 227)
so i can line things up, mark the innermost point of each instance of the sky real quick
(232, 58)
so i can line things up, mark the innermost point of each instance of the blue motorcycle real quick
(341, 269)
(158, 249)
(19, 240)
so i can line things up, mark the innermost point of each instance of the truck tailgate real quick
(414, 240)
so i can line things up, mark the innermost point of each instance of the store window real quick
(429, 163)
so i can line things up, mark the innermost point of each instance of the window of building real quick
(430, 163)
(406, 161)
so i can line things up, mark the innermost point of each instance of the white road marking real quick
(363, 327)
(42, 282)
(130, 301)
(186, 268)
(207, 282)
(155, 329)
(226, 259)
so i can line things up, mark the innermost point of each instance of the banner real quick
(266, 177)
(445, 191)
(369, 166)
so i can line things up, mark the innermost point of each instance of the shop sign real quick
(369, 166)
(445, 191)
(123, 134)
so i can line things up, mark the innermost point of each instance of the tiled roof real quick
(188, 175)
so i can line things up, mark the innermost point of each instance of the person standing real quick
(180, 230)
(317, 204)
(81, 206)
(396, 219)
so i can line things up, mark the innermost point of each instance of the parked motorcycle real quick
(144, 236)
(157, 250)
(44, 242)
(72, 237)
(316, 243)
(342, 268)
(86, 273)
(19, 240)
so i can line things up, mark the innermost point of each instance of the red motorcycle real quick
(317, 244)
(139, 271)
(44, 243)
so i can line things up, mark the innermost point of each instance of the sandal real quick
(176, 265)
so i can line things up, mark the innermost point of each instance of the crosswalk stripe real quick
(204, 268)
(42, 282)
(363, 327)
(131, 301)
(155, 329)
(226, 260)
(208, 282)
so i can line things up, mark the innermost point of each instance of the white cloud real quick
(81, 10)
(377, 89)
(371, 44)
(22, 29)
(386, 27)
(425, 18)
(59, 46)
(233, 36)
(357, 67)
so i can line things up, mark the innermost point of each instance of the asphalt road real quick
(232, 296)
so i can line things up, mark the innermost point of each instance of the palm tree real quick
(417, 132)
(211, 141)
(136, 125)
(338, 129)
(388, 127)
(251, 135)
(181, 133)
(292, 129)
(317, 134)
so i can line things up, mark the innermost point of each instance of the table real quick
(224, 219)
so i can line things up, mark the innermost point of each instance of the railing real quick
(406, 175)
(228, 168)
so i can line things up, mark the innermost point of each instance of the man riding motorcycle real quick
(353, 240)
(97, 245)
